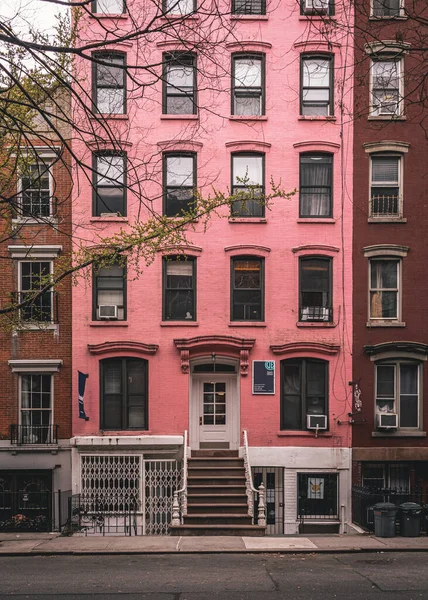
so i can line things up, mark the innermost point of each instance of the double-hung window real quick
(387, 8)
(247, 289)
(109, 83)
(317, 7)
(315, 188)
(385, 187)
(108, 7)
(384, 289)
(398, 394)
(386, 87)
(36, 409)
(316, 98)
(35, 193)
(248, 84)
(179, 288)
(248, 7)
(315, 289)
(304, 391)
(109, 184)
(179, 7)
(179, 84)
(179, 174)
(248, 185)
(124, 387)
(110, 293)
(34, 276)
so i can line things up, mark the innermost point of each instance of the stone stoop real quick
(216, 496)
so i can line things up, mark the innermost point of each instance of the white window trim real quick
(42, 323)
(399, 216)
(382, 321)
(36, 372)
(388, 57)
(395, 362)
(34, 252)
(401, 13)
(47, 160)
(51, 365)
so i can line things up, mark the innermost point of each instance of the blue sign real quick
(82, 377)
(263, 376)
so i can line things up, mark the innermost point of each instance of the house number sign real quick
(263, 376)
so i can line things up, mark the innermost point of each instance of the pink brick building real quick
(253, 330)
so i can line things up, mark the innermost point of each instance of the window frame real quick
(319, 154)
(263, 186)
(95, 305)
(317, 12)
(302, 362)
(392, 320)
(328, 260)
(261, 56)
(392, 58)
(188, 259)
(386, 215)
(178, 14)
(51, 400)
(51, 291)
(396, 364)
(94, 9)
(95, 175)
(169, 58)
(261, 13)
(165, 187)
(124, 395)
(400, 12)
(261, 259)
(103, 55)
(324, 56)
(47, 164)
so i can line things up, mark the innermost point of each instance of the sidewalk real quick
(21, 544)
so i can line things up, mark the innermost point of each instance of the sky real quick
(38, 13)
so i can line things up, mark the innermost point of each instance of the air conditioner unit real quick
(107, 311)
(316, 6)
(316, 421)
(315, 313)
(387, 420)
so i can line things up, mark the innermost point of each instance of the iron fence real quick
(273, 480)
(33, 510)
(33, 434)
(92, 517)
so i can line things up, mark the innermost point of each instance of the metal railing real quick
(179, 504)
(33, 434)
(315, 313)
(251, 491)
(103, 516)
(249, 7)
(33, 510)
(385, 206)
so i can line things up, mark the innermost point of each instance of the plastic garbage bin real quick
(410, 519)
(384, 519)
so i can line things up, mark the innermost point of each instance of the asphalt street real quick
(360, 576)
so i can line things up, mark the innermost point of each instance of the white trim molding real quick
(34, 251)
(50, 365)
(385, 250)
(386, 146)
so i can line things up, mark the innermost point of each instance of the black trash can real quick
(410, 519)
(384, 519)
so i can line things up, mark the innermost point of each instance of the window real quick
(248, 85)
(315, 289)
(179, 7)
(385, 187)
(36, 409)
(110, 293)
(386, 87)
(304, 391)
(397, 392)
(34, 276)
(108, 7)
(384, 289)
(179, 284)
(386, 8)
(318, 496)
(35, 193)
(317, 85)
(249, 7)
(316, 174)
(317, 7)
(109, 77)
(247, 289)
(179, 84)
(124, 393)
(179, 183)
(109, 184)
(248, 185)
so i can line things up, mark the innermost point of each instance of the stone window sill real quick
(388, 18)
(179, 324)
(190, 16)
(108, 324)
(386, 220)
(386, 118)
(122, 16)
(317, 220)
(104, 116)
(385, 324)
(247, 324)
(248, 220)
(112, 219)
(38, 327)
(32, 221)
(400, 433)
(245, 118)
(249, 17)
(303, 433)
(315, 324)
(316, 118)
(316, 17)
(179, 117)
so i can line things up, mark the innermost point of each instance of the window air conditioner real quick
(387, 420)
(315, 313)
(317, 6)
(316, 421)
(106, 311)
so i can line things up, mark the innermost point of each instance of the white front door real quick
(215, 410)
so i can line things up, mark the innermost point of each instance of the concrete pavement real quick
(22, 544)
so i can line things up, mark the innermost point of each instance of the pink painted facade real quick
(281, 239)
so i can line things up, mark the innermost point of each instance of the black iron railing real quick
(29, 510)
(316, 313)
(249, 7)
(33, 434)
(103, 515)
(385, 206)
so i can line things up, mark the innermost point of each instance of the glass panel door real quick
(214, 403)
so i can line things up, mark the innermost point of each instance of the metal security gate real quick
(273, 480)
(161, 479)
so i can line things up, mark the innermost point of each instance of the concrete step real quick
(216, 453)
(217, 498)
(217, 519)
(217, 509)
(240, 530)
(214, 471)
(215, 490)
(216, 462)
(218, 481)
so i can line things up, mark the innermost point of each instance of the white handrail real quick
(177, 506)
(261, 513)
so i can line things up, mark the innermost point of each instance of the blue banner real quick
(82, 383)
